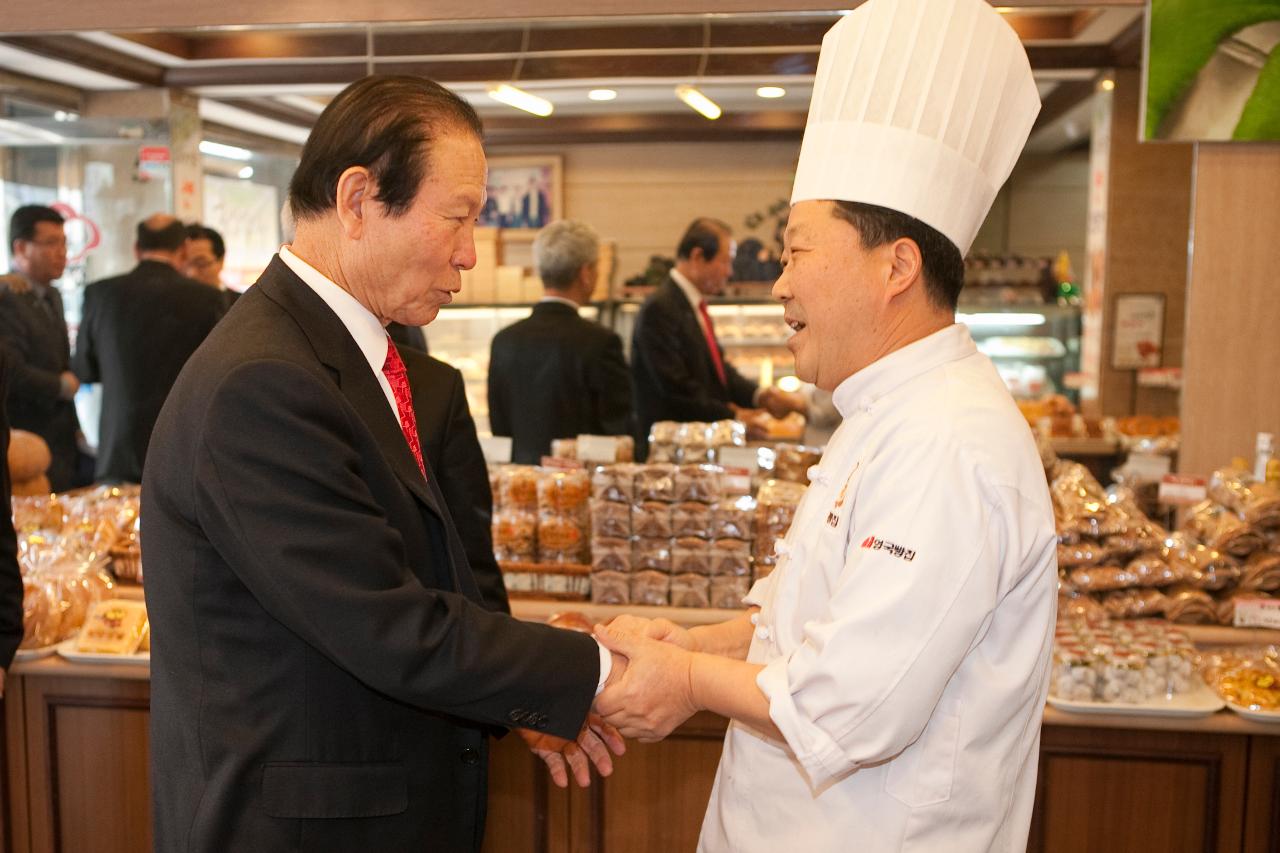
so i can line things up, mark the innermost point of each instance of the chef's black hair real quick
(943, 266)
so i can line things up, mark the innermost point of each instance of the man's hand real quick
(655, 629)
(654, 695)
(780, 403)
(593, 745)
(70, 385)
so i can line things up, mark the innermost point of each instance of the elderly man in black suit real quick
(679, 367)
(136, 332)
(324, 672)
(554, 374)
(33, 326)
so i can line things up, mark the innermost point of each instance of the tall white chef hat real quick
(919, 106)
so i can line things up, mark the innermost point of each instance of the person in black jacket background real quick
(10, 575)
(137, 330)
(554, 374)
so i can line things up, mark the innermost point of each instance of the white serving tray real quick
(34, 654)
(67, 650)
(1199, 701)
(1259, 716)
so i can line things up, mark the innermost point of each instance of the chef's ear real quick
(906, 267)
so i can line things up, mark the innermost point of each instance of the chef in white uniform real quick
(887, 683)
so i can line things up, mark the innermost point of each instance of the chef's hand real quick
(655, 629)
(654, 695)
(592, 747)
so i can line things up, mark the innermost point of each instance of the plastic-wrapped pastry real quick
(1199, 566)
(1261, 571)
(793, 462)
(763, 565)
(514, 533)
(656, 483)
(614, 483)
(564, 448)
(697, 483)
(727, 591)
(726, 434)
(776, 504)
(1133, 603)
(691, 519)
(611, 555)
(731, 557)
(1248, 676)
(1190, 606)
(1150, 569)
(563, 492)
(610, 588)
(690, 590)
(561, 539)
(610, 519)
(650, 588)
(651, 555)
(1221, 529)
(1080, 554)
(690, 555)
(1074, 677)
(1100, 578)
(1256, 503)
(1080, 503)
(518, 487)
(693, 442)
(734, 519)
(1078, 606)
(651, 520)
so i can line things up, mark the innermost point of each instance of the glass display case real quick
(1034, 347)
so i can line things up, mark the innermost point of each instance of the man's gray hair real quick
(562, 249)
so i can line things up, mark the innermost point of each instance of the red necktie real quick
(709, 332)
(393, 369)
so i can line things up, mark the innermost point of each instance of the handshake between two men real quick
(662, 675)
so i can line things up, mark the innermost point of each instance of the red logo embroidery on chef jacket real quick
(871, 543)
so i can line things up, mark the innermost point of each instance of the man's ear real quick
(356, 191)
(906, 267)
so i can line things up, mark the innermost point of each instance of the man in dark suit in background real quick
(10, 574)
(32, 323)
(554, 374)
(452, 450)
(136, 332)
(680, 370)
(324, 671)
(206, 256)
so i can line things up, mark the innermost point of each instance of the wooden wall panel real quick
(1262, 808)
(1232, 370)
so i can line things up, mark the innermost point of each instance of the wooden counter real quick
(77, 780)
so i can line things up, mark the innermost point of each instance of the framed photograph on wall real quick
(524, 194)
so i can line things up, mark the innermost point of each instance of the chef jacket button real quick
(755, 618)
(762, 632)
(781, 548)
(814, 473)
(470, 756)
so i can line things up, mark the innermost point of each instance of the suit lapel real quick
(693, 328)
(334, 347)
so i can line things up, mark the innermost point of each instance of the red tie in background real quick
(709, 332)
(393, 369)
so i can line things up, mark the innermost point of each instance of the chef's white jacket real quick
(906, 632)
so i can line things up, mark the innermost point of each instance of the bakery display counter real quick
(76, 775)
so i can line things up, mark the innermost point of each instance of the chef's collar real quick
(875, 380)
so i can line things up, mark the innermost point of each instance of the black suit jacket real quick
(322, 673)
(41, 351)
(136, 332)
(452, 450)
(555, 375)
(10, 574)
(675, 378)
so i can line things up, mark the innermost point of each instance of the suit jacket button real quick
(470, 756)
(515, 716)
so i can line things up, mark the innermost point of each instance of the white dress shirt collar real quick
(561, 299)
(366, 329)
(688, 288)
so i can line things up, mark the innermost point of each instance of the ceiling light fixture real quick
(698, 102)
(227, 152)
(770, 92)
(246, 173)
(1108, 85)
(521, 100)
(602, 94)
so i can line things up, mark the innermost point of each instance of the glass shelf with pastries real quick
(1033, 346)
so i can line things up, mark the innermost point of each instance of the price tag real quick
(1257, 613)
(1148, 466)
(747, 458)
(1181, 490)
(598, 448)
(496, 449)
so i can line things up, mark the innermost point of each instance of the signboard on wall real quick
(1137, 340)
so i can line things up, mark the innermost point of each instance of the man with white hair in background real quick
(887, 682)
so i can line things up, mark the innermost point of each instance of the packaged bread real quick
(690, 555)
(609, 519)
(1151, 570)
(514, 535)
(564, 448)
(762, 565)
(731, 557)
(1221, 529)
(693, 444)
(38, 512)
(611, 555)
(1081, 553)
(1133, 603)
(651, 555)
(793, 462)
(561, 539)
(1255, 503)
(517, 488)
(1247, 676)
(691, 519)
(700, 483)
(690, 590)
(1190, 606)
(727, 433)
(651, 519)
(776, 504)
(1199, 566)
(728, 591)
(563, 492)
(650, 588)
(610, 587)
(655, 483)
(1074, 677)
(1100, 578)
(615, 483)
(662, 441)
(41, 614)
(1261, 571)
(734, 519)
(1080, 606)
(114, 626)
(1080, 504)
